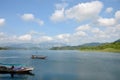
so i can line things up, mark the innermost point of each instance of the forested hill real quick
(110, 47)
(114, 46)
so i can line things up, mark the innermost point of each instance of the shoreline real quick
(116, 51)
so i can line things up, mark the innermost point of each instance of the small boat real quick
(15, 70)
(38, 57)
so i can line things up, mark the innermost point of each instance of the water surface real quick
(64, 65)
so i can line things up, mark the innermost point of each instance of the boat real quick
(38, 57)
(7, 69)
(22, 70)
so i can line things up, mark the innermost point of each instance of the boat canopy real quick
(4, 64)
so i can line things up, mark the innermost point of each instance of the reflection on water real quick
(64, 65)
(16, 77)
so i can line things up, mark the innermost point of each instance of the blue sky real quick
(68, 21)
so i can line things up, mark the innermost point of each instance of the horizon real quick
(55, 44)
(63, 21)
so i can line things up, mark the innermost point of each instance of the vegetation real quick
(108, 47)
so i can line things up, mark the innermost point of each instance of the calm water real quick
(64, 65)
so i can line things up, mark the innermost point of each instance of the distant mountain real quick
(48, 45)
(92, 44)
(45, 45)
(117, 40)
(76, 47)
(18, 45)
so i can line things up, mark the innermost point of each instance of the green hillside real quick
(108, 47)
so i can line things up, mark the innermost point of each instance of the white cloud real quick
(118, 27)
(84, 11)
(2, 21)
(32, 32)
(80, 12)
(44, 39)
(83, 27)
(61, 5)
(82, 30)
(26, 37)
(40, 22)
(109, 22)
(117, 15)
(106, 34)
(28, 17)
(114, 31)
(109, 10)
(71, 39)
(96, 30)
(99, 33)
(80, 34)
(31, 17)
(1, 34)
(58, 15)
(5, 38)
(63, 37)
(88, 33)
(106, 21)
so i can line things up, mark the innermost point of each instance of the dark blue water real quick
(64, 65)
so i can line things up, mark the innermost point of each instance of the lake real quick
(64, 65)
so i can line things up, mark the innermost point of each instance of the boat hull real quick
(6, 70)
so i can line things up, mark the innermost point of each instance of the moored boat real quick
(13, 69)
(21, 70)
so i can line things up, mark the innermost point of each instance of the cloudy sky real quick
(68, 21)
